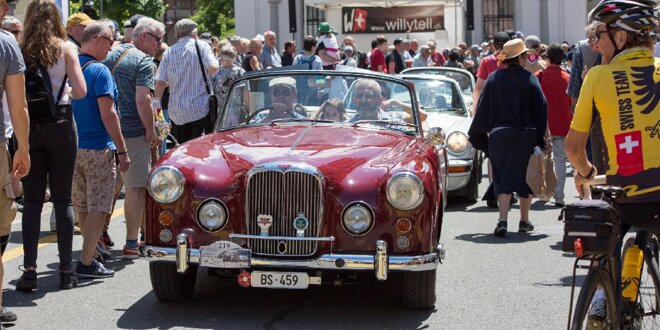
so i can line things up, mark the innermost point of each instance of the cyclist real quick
(625, 93)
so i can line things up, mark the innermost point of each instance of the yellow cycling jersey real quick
(626, 93)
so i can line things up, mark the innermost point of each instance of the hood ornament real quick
(264, 221)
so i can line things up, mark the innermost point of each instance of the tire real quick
(595, 284)
(471, 190)
(647, 306)
(170, 286)
(418, 289)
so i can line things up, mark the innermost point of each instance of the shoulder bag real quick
(213, 99)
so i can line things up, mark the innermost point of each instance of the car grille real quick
(284, 192)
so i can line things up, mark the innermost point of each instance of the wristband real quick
(590, 175)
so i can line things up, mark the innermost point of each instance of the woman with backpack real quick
(50, 61)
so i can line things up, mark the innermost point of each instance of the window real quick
(498, 16)
(313, 17)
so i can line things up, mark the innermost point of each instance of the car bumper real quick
(459, 173)
(380, 262)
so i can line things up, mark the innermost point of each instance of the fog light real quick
(165, 235)
(402, 242)
(403, 225)
(165, 218)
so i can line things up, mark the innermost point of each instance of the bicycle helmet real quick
(630, 15)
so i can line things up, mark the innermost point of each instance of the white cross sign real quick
(360, 21)
(629, 145)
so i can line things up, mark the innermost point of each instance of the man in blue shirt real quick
(99, 139)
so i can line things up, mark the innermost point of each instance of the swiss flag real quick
(629, 155)
(360, 20)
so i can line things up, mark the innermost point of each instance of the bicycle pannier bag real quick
(595, 222)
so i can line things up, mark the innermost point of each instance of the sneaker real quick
(559, 202)
(95, 270)
(130, 253)
(525, 226)
(7, 316)
(500, 230)
(68, 280)
(597, 314)
(27, 281)
(103, 250)
(19, 204)
(106, 239)
(514, 200)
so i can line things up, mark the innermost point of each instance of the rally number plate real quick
(224, 254)
(280, 280)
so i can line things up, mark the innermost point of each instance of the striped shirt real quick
(181, 70)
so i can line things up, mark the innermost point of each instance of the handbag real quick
(541, 177)
(213, 99)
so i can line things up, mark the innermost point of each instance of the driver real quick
(283, 96)
(369, 103)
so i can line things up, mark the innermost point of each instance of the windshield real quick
(462, 78)
(438, 96)
(335, 98)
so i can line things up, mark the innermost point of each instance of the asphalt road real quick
(518, 282)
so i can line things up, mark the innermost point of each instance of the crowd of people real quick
(108, 95)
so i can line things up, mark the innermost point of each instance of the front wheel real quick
(418, 289)
(170, 286)
(595, 307)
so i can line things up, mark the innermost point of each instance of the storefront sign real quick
(404, 19)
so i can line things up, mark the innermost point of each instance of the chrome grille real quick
(284, 191)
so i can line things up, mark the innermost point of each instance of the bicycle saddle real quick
(613, 192)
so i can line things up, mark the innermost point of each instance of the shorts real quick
(94, 180)
(139, 152)
(7, 204)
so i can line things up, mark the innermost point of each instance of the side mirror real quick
(436, 136)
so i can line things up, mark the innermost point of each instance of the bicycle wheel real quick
(595, 307)
(645, 311)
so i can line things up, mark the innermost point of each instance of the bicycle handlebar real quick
(586, 188)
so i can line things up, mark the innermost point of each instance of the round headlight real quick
(457, 143)
(405, 191)
(212, 215)
(166, 184)
(357, 219)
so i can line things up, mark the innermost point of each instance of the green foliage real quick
(121, 10)
(215, 16)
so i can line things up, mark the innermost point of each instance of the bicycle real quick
(600, 304)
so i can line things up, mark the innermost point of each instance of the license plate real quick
(280, 280)
(224, 254)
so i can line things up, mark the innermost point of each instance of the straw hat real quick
(514, 48)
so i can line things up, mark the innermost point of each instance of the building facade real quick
(551, 20)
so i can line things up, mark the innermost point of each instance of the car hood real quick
(449, 122)
(330, 148)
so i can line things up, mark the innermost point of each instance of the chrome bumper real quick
(380, 263)
(459, 180)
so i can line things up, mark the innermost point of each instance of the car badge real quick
(264, 221)
(300, 223)
(284, 167)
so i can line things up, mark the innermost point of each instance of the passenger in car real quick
(283, 95)
(370, 104)
(332, 109)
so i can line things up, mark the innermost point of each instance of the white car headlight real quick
(405, 191)
(166, 184)
(212, 215)
(357, 219)
(457, 143)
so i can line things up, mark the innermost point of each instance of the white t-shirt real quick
(330, 45)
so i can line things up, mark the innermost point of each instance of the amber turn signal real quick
(403, 225)
(165, 218)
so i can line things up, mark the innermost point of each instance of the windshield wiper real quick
(282, 120)
(386, 122)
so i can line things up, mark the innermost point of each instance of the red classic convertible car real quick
(295, 189)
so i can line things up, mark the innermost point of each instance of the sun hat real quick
(513, 48)
(325, 27)
(282, 81)
(78, 19)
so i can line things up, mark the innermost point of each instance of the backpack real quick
(309, 61)
(42, 106)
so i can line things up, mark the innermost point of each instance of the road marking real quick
(51, 238)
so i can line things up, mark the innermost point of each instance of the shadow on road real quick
(221, 304)
(511, 237)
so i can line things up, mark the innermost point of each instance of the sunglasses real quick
(15, 32)
(158, 39)
(110, 40)
(281, 91)
(596, 37)
(366, 94)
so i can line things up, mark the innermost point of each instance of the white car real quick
(441, 98)
(464, 78)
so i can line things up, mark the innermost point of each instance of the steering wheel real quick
(254, 114)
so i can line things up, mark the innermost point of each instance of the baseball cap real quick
(325, 27)
(205, 36)
(501, 37)
(133, 21)
(348, 49)
(475, 46)
(78, 19)
(282, 81)
(184, 26)
(532, 41)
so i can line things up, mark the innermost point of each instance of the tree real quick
(215, 16)
(121, 10)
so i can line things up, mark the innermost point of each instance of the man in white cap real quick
(181, 70)
(283, 101)
(348, 57)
